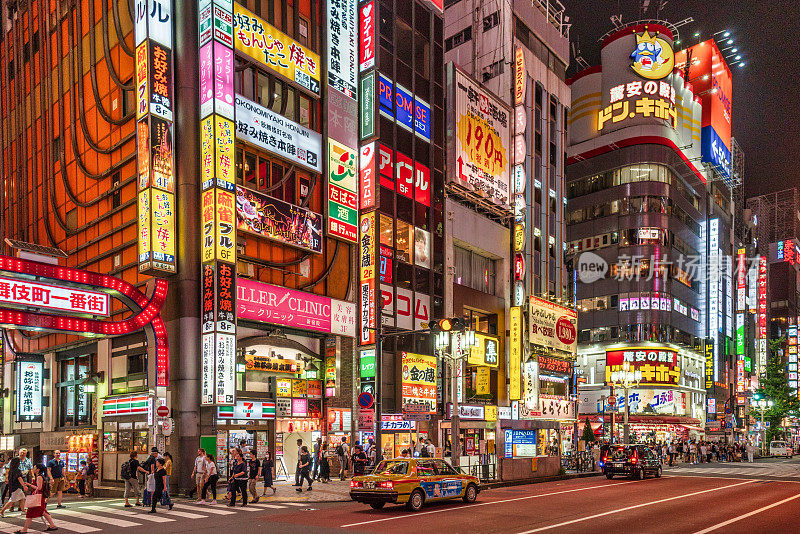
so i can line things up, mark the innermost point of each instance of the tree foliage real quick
(588, 434)
(774, 386)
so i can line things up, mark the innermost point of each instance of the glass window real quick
(404, 237)
(71, 391)
(387, 231)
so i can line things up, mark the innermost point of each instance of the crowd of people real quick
(27, 486)
(696, 451)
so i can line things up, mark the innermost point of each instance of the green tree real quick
(774, 386)
(588, 434)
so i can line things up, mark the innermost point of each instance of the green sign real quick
(367, 364)
(366, 102)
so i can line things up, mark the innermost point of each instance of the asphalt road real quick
(682, 501)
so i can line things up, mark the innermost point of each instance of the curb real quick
(539, 480)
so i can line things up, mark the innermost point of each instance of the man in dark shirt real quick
(359, 460)
(132, 482)
(149, 466)
(161, 474)
(253, 469)
(55, 472)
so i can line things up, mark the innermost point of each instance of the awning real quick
(645, 419)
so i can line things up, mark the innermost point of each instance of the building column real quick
(182, 309)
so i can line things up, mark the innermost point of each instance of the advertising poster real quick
(367, 21)
(207, 152)
(419, 382)
(278, 220)
(207, 387)
(224, 162)
(161, 154)
(515, 353)
(366, 104)
(207, 209)
(223, 80)
(206, 60)
(142, 95)
(331, 356)
(659, 365)
(342, 45)
(342, 191)
(481, 139)
(263, 42)
(367, 262)
(208, 279)
(277, 134)
(225, 365)
(30, 379)
(226, 226)
(367, 176)
(160, 81)
(553, 326)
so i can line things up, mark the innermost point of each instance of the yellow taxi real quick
(413, 482)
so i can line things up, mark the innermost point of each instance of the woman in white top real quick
(211, 479)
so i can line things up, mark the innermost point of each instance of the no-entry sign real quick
(162, 411)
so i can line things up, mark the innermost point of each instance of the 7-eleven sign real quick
(244, 409)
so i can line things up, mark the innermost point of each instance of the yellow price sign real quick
(482, 144)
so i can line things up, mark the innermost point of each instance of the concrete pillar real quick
(182, 309)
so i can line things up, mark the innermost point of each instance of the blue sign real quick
(385, 96)
(714, 151)
(422, 119)
(524, 440)
(365, 400)
(404, 107)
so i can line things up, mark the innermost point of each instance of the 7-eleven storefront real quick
(126, 424)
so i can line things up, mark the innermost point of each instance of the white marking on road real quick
(75, 527)
(187, 515)
(260, 505)
(745, 516)
(294, 504)
(8, 527)
(155, 518)
(210, 509)
(96, 518)
(456, 508)
(633, 507)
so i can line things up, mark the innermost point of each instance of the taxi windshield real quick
(391, 468)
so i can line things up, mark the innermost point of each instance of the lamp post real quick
(762, 405)
(443, 341)
(626, 379)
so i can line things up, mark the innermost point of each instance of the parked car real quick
(780, 448)
(635, 461)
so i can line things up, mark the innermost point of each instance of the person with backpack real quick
(41, 487)
(129, 473)
(342, 453)
(266, 474)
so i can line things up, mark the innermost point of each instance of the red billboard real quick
(659, 365)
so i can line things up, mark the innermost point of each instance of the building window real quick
(458, 39)
(75, 404)
(115, 196)
(126, 436)
(493, 70)
(129, 371)
(474, 270)
(490, 21)
(271, 177)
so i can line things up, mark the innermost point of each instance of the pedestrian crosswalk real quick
(778, 470)
(83, 518)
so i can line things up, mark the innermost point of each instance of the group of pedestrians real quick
(28, 487)
(156, 469)
(700, 451)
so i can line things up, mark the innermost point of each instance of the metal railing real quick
(581, 462)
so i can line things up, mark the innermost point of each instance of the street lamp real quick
(763, 405)
(444, 340)
(626, 378)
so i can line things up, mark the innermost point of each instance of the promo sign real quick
(486, 352)
(342, 46)
(278, 135)
(367, 236)
(248, 410)
(553, 407)
(480, 141)
(275, 50)
(553, 326)
(515, 353)
(366, 15)
(342, 192)
(30, 379)
(659, 365)
(419, 381)
(266, 303)
(368, 176)
(278, 220)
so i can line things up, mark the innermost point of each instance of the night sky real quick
(766, 92)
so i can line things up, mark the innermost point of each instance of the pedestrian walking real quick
(210, 481)
(4, 479)
(315, 459)
(253, 472)
(199, 473)
(160, 474)
(129, 472)
(41, 489)
(238, 478)
(91, 476)
(25, 464)
(81, 478)
(342, 451)
(16, 484)
(266, 474)
(304, 465)
(750, 452)
(297, 466)
(168, 469)
(324, 465)
(55, 473)
(360, 460)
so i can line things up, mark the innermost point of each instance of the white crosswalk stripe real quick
(294, 504)
(75, 527)
(153, 518)
(113, 521)
(265, 505)
(207, 509)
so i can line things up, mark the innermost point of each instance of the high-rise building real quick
(649, 219)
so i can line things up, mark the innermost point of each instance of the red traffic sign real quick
(612, 400)
(162, 411)
(365, 400)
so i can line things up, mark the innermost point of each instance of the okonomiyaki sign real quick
(257, 301)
